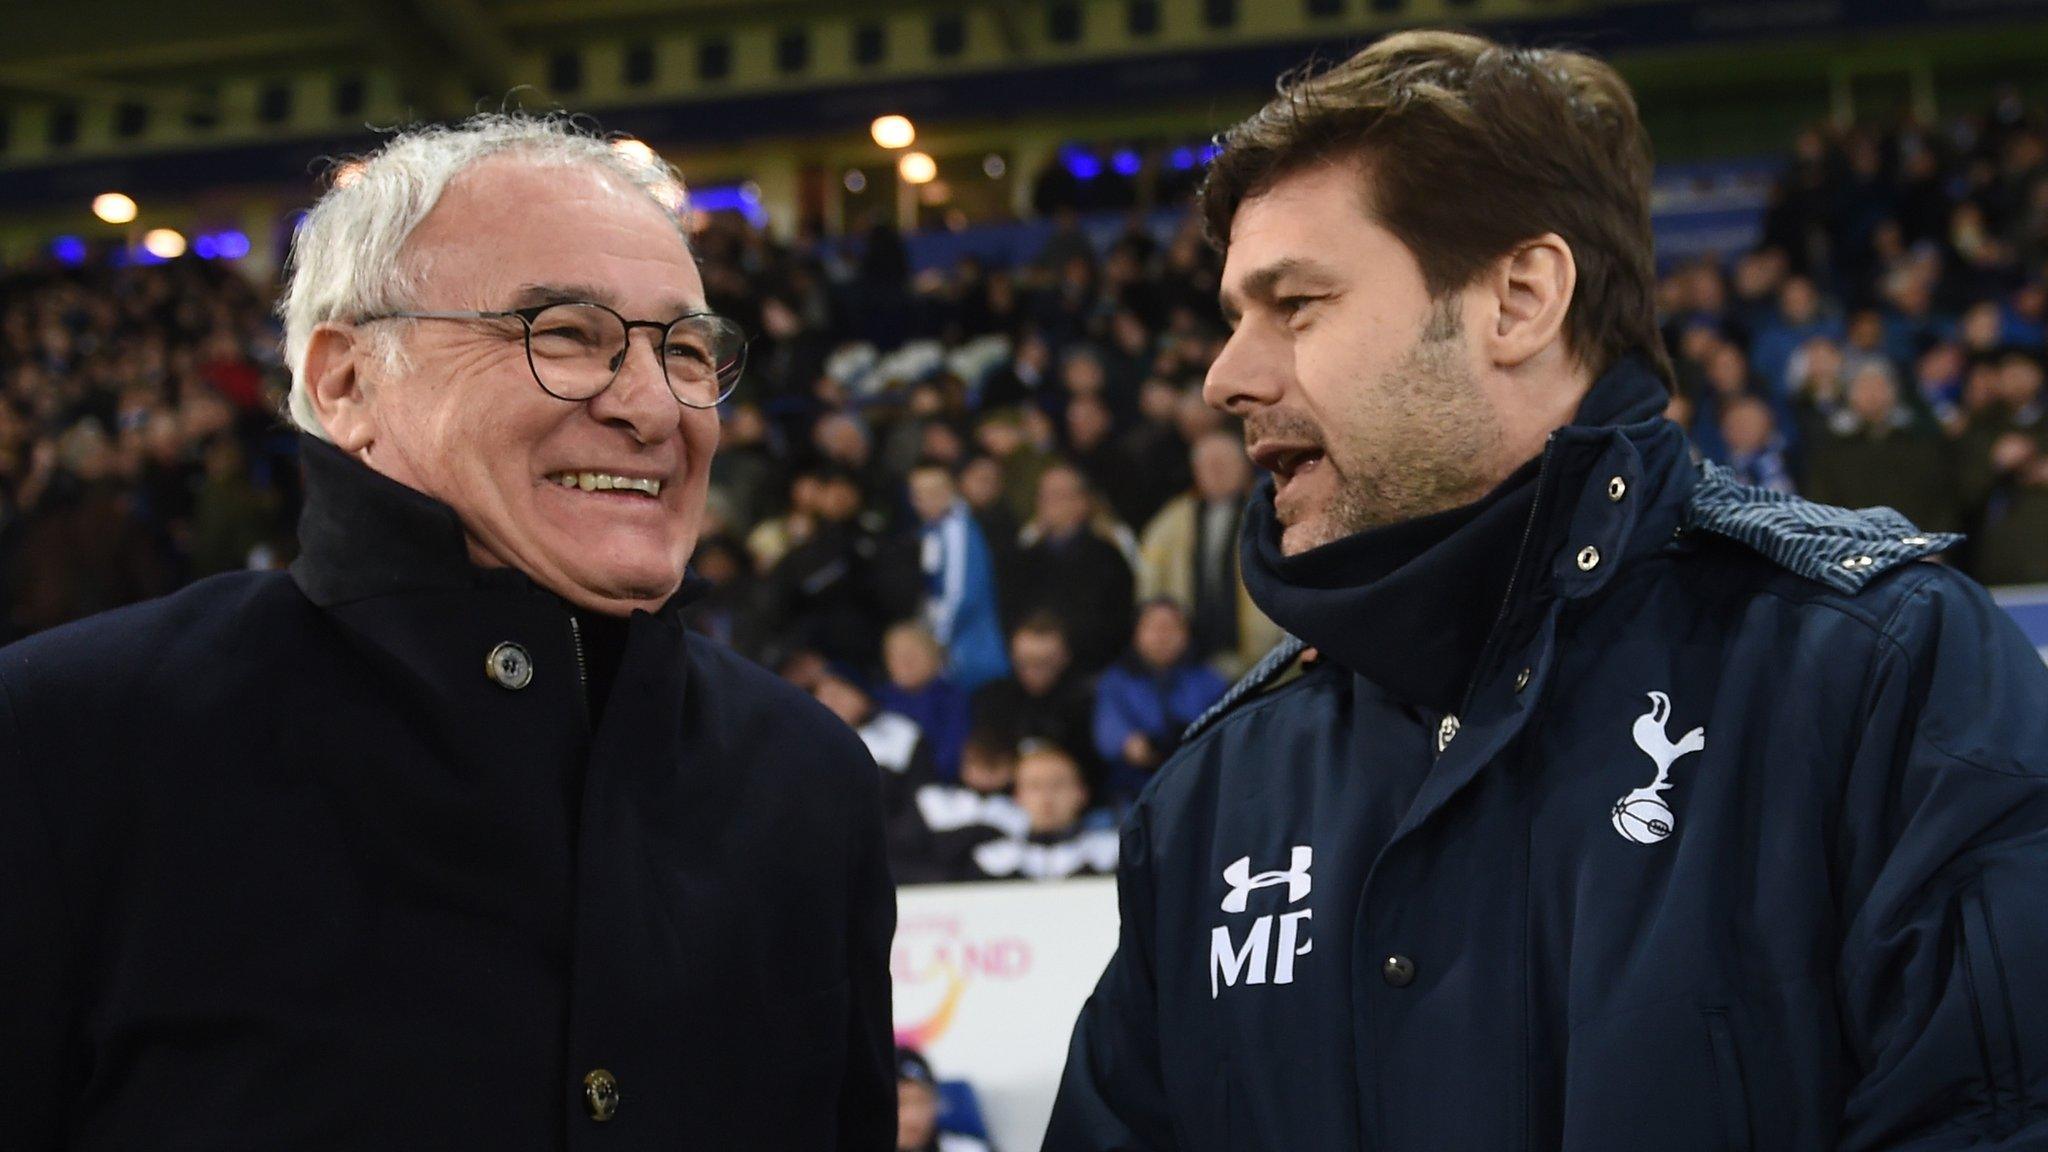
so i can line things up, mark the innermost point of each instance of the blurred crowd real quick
(982, 513)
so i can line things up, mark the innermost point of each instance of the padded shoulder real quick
(1842, 548)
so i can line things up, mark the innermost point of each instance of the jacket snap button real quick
(600, 1095)
(1445, 731)
(1616, 489)
(1398, 971)
(509, 666)
(1858, 562)
(1589, 558)
(1521, 679)
(1915, 541)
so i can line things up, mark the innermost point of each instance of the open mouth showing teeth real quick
(1291, 464)
(606, 482)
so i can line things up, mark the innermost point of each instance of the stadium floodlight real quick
(114, 207)
(917, 168)
(164, 243)
(893, 131)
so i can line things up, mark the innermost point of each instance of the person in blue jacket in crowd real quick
(960, 580)
(1143, 701)
(1623, 807)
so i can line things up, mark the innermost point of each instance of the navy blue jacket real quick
(1733, 835)
(288, 862)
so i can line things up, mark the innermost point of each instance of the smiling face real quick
(601, 500)
(1360, 393)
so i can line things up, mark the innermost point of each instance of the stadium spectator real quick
(936, 841)
(1144, 700)
(835, 588)
(917, 1110)
(1755, 451)
(1188, 554)
(1065, 568)
(2005, 474)
(1043, 698)
(960, 595)
(1873, 452)
(916, 687)
(1063, 837)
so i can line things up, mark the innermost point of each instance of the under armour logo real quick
(1271, 944)
(1642, 815)
(1242, 883)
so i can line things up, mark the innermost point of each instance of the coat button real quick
(509, 666)
(1398, 971)
(600, 1095)
(1521, 679)
(1858, 563)
(1616, 488)
(1445, 731)
(1589, 558)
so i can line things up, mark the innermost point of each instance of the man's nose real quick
(639, 398)
(1251, 372)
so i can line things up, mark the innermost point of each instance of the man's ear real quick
(335, 386)
(1532, 288)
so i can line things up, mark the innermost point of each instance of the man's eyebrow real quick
(1260, 283)
(532, 295)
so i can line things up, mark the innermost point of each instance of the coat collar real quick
(364, 535)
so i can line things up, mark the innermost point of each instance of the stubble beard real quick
(1425, 439)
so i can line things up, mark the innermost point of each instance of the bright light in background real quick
(635, 151)
(1182, 159)
(917, 168)
(1081, 164)
(164, 243)
(993, 166)
(935, 193)
(893, 131)
(750, 192)
(1126, 163)
(113, 207)
(856, 181)
(348, 173)
(68, 250)
(231, 245)
(204, 246)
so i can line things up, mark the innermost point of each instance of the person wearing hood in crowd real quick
(1625, 806)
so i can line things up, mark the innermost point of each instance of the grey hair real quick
(348, 257)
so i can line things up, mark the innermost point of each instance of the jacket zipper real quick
(1493, 636)
(576, 644)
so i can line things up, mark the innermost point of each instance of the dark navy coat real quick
(285, 863)
(1739, 840)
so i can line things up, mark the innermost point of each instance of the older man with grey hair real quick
(452, 837)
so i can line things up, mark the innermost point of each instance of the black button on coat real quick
(282, 865)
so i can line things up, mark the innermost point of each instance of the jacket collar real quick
(364, 535)
(1413, 607)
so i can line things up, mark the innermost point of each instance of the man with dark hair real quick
(1626, 807)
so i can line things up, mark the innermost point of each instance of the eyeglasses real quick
(576, 349)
